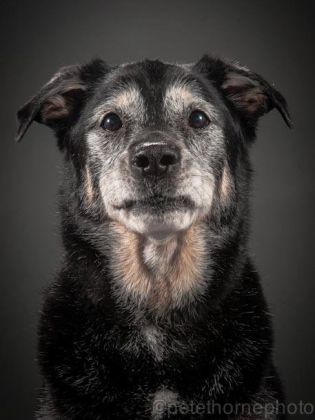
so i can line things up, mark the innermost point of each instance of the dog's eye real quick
(198, 119)
(111, 122)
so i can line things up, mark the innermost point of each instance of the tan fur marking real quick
(127, 98)
(88, 186)
(179, 97)
(127, 265)
(161, 275)
(226, 187)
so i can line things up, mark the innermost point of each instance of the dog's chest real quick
(152, 341)
(159, 276)
(155, 342)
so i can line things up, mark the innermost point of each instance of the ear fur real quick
(60, 98)
(249, 93)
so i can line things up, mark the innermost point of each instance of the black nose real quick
(154, 159)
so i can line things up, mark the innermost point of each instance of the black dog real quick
(157, 311)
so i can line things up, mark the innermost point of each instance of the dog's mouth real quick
(158, 204)
(157, 216)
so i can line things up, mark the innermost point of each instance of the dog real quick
(157, 311)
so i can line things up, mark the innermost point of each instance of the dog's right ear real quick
(249, 94)
(61, 98)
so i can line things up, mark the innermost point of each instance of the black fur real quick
(93, 361)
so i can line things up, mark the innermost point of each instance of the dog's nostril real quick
(168, 159)
(142, 161)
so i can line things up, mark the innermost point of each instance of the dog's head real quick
(155, 143)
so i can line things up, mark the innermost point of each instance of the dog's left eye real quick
(111, 122)
(198, 119)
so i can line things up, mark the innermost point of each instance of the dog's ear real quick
(59, 100)
(248, 92)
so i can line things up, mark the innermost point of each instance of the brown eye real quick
(111, 122)
(198, 119)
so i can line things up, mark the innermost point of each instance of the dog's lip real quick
(158, 201)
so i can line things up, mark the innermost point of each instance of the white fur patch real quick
(163, 400)
(155, 341)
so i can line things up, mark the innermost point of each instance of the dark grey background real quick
(274, 38)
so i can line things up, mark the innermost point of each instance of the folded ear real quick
(59, 100)
(249, 93)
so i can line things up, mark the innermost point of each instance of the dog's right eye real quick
(198, 119)
(111, 122)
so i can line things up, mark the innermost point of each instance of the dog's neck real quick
(159, 275)
(203, 261)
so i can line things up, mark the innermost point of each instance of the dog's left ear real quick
(249, 93)
(58, 100)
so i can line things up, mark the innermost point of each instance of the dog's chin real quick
(158, 224)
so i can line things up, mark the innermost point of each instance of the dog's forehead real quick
(150, 92)
(152, 83)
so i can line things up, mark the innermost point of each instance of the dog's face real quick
(156, 143)
(154, 137)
